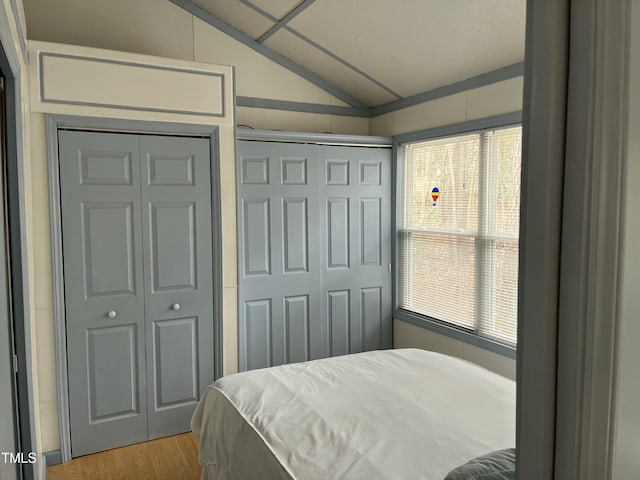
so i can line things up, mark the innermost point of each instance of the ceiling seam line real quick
(221, 25)
(286, 19)
(257, 9)
(293, 106)
(342, 61)
(488, 78)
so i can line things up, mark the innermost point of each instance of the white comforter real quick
(393, 414)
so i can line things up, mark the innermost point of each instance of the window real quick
(458, 235)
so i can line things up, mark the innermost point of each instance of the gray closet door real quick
(178, 283)
(355, 213)
(280, 304)
(314, 251)
(137, 233)
(104, 297)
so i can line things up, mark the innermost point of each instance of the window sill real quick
(455, 333)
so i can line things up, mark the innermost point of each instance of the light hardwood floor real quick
(170, 458)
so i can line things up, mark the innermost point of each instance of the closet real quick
(314, 247)
(136, 240)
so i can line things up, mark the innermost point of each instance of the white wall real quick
(407, 335)
(159, 27)
(626, 457)
(494, 99)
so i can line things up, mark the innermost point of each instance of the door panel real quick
(314, 246)
(358, 218)
(177, 234)
(111, 355)
(173, 256)
(175, 352)
(258, 333)
(108, 243)
(279, 243)
(102, 244)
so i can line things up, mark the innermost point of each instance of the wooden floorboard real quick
(170, 458)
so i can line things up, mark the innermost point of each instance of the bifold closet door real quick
(355, 200)
(279, 240)
(314, 249)
(137, 246)
(178, 283)
(104, 295)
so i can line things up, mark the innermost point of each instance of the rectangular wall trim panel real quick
(338, 234)
(295, 226)
(99, 82)
(257, 233)
(314, 244)
(111, 352)
(175, 355)
(296, 317)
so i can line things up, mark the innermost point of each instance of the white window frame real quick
(452, 330)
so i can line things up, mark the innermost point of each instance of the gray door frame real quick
(58, 122)
(17, 251)
(574, 137)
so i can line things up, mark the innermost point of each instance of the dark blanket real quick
(499, 465)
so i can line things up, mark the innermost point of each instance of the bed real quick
(389, 414)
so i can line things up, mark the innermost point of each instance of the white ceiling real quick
(378, 51)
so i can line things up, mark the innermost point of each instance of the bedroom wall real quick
(161, 28)
(626, 463)
(494, 99)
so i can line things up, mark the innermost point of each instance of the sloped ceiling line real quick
(255, 102)
(236, 34)
(342, 61)
(306, 39)
(494, 76)
(287, 18)
(262, 12)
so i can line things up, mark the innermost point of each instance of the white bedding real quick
(392, 414)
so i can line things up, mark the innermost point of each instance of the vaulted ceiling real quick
(372, 53)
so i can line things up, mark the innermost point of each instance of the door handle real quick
(112, 314)
(175, 307)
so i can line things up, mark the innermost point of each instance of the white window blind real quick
(460, 205)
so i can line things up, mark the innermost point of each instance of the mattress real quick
(391, 414)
